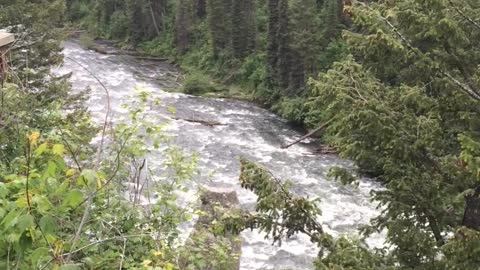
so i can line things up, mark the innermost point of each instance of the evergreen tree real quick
(306, 33)
(404, 106)
(201, 8)
(284, 63)
(332, 19)
(272, 42)
(218, 12)
(243, 28)
(278, 48)
(182, 25)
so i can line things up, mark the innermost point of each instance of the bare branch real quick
(91, 196)
(470, 20)
(309, 134)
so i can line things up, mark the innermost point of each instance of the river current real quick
(248, 131)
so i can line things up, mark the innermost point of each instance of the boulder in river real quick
(209, 245)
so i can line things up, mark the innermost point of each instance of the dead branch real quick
(325, 150)
(203, 122)
(103, 50)
(309, 134)
(91, 196)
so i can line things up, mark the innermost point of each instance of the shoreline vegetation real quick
(196, 83)
(393, 86)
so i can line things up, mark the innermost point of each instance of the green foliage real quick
(398, 93)
(461, 252)
(280, 213)
(230, 43)
(87, 41)
(291, 109)
(197, 84)
(218, 24)
(43, 199)
(207, 251)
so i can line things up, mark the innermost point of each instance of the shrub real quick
(87, 41)
(197, 84)
(119, 24)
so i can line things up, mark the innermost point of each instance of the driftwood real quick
(150, 58)
(324, 150)
(203, 122)
(308, 135)
(104, 50)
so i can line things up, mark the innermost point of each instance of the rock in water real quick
(210, 246)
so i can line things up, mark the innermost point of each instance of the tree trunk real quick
(201, 9)
(471, 216)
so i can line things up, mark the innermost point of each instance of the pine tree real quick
(332, 19)
(243, 28)
(404, 107)
(272, 42)
(251, 28)
(218, 12)
(283, 52)
(182, 25)
(201, 8)
(306, 32)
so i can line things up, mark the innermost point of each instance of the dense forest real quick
(393, 86)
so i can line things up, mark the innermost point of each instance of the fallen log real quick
(308, 135)
(149, 58)
(203, 122)
(104, 50)
(325, 150)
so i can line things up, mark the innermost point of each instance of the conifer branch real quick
(470, 20)
(465, 88)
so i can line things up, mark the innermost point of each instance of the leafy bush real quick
(291, 109)
(87, 41)
(161, 46)
(77, 10)
(198, 84)
(119, 24)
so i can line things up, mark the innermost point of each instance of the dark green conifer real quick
(182, 25)
(243, 28)
(218, 12)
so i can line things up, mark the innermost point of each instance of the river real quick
(249, 131)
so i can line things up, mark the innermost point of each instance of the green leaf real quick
(73, 198)
(51, 169)
(42, 203)
(62, 188)
(58, 149)
(40, 254)
(3, 191)
(70, 267)
(24, 222)
(11, 218)
(88, 176)
(41, 149)
(48, 224)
